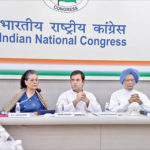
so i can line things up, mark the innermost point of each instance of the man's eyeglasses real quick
(128, 80)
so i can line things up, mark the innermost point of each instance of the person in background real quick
(77, 99)
(29, 96)
(123, 98)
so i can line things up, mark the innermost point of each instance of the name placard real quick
(19, 115)
(62, 115)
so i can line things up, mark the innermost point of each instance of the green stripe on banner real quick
(144, 74)
(59, 73)
(68, 0)
(67, 73)
(87, 73)
(11, 72)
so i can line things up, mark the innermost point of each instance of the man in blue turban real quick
(121, 99)
(126, 72)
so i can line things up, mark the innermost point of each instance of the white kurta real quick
(66, 99)
(119, 100)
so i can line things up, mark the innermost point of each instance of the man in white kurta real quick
(76, 99)
(122, 99)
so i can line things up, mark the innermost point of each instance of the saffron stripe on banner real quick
(63, 61)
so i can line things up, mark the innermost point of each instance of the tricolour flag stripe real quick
(67, 73)
(73, 62)
(68, 1)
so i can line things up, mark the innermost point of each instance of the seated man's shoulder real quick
(66, 92)
(120, 91)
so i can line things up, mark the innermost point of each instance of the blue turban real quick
(128, 71)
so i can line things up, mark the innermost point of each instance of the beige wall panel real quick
(125, 137)
(48, 137)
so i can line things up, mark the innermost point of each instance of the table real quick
(87, 132)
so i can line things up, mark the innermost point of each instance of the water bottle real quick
(62, 108)
(107, 107)
(17, 110)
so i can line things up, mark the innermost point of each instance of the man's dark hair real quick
(78, 72)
